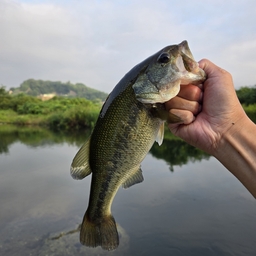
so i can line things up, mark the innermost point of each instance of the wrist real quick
(236, 136)
(236, 151)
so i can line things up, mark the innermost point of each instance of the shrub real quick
(251, 111)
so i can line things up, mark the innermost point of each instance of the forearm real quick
(237, 152)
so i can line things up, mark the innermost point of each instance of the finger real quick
(183, 104)
(190, 92)
(211, 69)
(186, 116)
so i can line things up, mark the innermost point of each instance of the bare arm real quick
(237, 152)
(215, 122)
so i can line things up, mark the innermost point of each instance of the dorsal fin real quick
(80, 167)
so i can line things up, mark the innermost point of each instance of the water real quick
(188, 203)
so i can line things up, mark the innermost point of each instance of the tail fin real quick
(103, 233)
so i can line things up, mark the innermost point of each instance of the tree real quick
(247, 95)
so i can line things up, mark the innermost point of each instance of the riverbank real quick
(75, 117)
(57, 113)
(71, 119)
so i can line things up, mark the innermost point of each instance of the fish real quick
(130, 121)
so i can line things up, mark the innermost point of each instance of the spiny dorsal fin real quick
(80, 167)
(160, 135)
(133, 179)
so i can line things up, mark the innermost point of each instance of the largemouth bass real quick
(131, 119)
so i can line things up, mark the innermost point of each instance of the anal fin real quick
(80, 167)
(133, 179)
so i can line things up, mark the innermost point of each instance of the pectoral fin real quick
(172, 119)
(135, 178)
(80, 167)
(160, 135)
(158, 110)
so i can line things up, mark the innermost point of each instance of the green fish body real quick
(130, 121)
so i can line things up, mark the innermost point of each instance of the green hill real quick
(39, 87)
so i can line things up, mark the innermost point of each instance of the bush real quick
(75, 118)
(251, 111)
(30, 108)
(247, 95)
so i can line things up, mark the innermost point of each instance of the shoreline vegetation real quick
(69, 113)
(57, 113)
(52, 104)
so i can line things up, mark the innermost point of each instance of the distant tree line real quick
(34, 87)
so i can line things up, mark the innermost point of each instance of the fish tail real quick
(101, 233)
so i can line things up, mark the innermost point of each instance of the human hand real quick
(208, 112)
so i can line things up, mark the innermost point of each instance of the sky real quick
(97, 42)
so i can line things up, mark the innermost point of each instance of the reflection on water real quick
(198, 209)
(177, 152)
(37, 137)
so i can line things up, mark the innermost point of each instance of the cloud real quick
(97, 42)
(34, 38)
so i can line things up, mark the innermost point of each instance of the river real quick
(188, 204)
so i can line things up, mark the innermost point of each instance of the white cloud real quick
(97, 42)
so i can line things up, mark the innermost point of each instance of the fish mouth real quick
(189, 69)
(181, 65)
(184, 48)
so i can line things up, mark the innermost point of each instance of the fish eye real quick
(164, 58)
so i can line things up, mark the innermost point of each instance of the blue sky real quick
(97, 42)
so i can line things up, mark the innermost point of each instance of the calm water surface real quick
(198, 208)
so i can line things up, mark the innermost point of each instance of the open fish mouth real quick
(188, 66)
(185, 64)
(189, 70)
